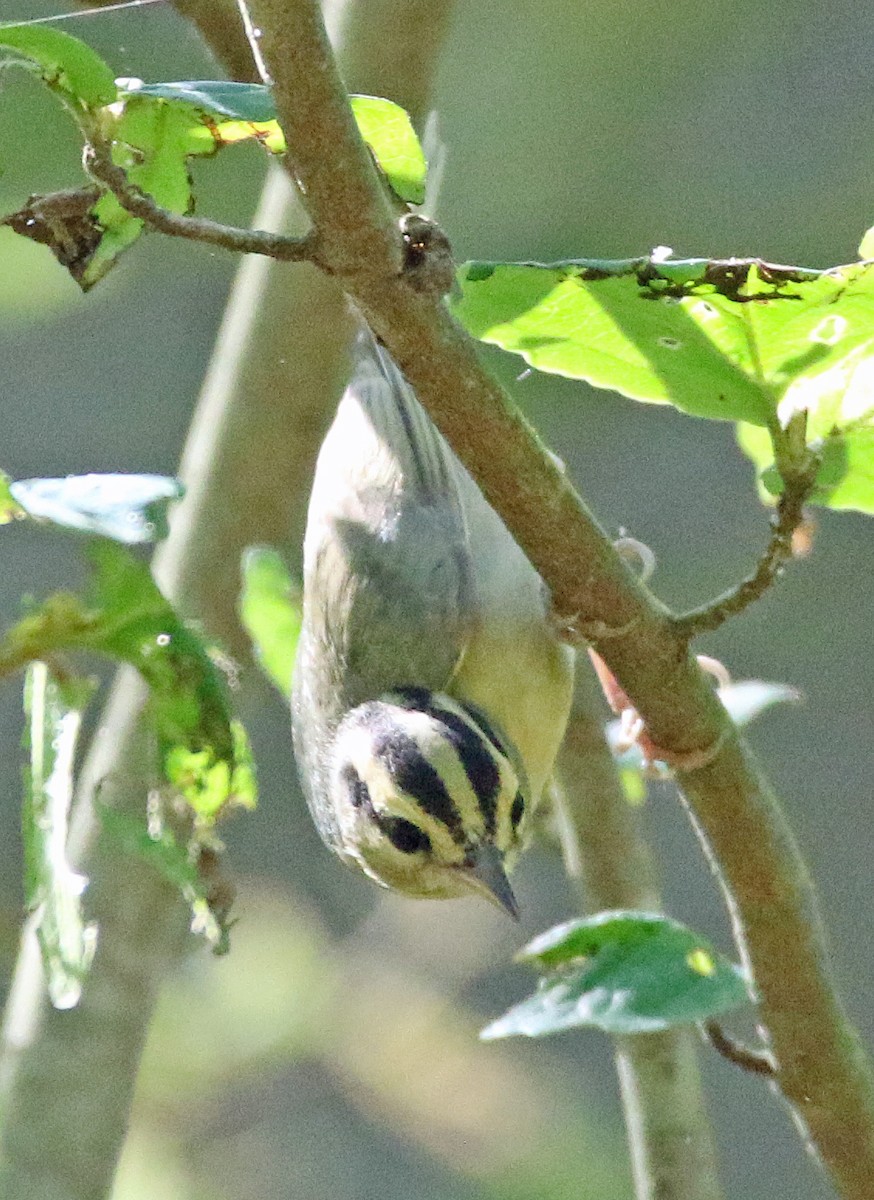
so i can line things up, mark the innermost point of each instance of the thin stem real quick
(673, 1156)
(787, 519)
(757, 1062)
(823, 1070)
(99, 164)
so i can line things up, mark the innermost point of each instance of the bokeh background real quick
(334, 1053)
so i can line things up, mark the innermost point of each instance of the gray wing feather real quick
(389, 592)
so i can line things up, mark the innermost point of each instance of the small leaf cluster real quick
(153, 131)
(202, 763)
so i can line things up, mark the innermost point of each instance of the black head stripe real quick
(419, 698)
(479, 718)
(479, 765)
(414, 775)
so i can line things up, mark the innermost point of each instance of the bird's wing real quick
(388, 581)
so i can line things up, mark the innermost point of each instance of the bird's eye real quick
(405, 836)
(518, 809)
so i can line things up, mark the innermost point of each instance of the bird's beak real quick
(484, 871)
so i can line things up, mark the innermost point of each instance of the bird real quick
(431, 689)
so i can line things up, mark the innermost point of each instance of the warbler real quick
(431, 689)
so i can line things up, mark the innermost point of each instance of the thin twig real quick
(99, 164)
(757, 1062)
(787, 519)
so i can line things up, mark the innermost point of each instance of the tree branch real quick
(98, 163)
(823, 1070)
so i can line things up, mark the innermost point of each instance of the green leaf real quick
(247, 111)
(152, 141)
(728, 339)
(845, 480)
(68, 66)
(127, 508)
(623, 972)
(388, 131)
(270, 613)
(126, 618)
(240, 101)
(53, 890)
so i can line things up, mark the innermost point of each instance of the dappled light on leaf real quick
(719, 339)
(125, 618)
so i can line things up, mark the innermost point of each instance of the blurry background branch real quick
(673, 1155)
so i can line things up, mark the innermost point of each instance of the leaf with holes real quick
(126, 508)
(152, 841)
(228, 112)
(152, 140)
(623, 972)
(739, 340)
(270, 613)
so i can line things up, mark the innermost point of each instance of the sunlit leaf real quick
(127, 508)
(236, 111)
(721, 339)
(623, 972)
(152, 141)
(68, 66)
(389, 133)
(845, 479)
(53, 890)
(270, 613)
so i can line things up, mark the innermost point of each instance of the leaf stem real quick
(787, 518)
(757, 1062)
